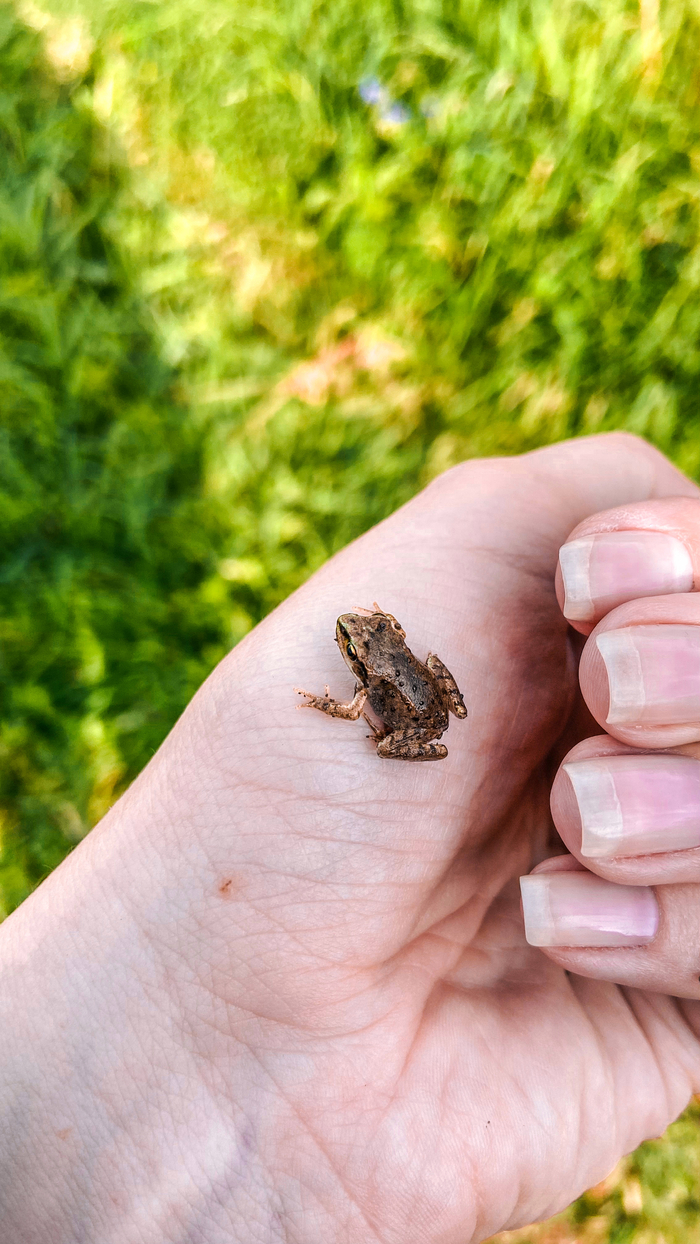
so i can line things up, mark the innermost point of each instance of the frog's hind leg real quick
(377, 732)
(335, 708)
(448, 684)
(410, 745)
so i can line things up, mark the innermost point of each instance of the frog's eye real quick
(381, 626)
(351, 651)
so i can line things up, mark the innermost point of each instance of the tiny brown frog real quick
(412, 699)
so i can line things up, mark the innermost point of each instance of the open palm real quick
(348, 985)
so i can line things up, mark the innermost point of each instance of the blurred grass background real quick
(265, 269)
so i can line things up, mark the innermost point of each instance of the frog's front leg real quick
(335, 708)
(448, 684)
(413, 743)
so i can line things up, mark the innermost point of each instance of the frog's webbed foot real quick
(448, 684)
(410, 744)
(335, 708)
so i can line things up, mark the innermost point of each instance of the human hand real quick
(283, 992)
(627, 803)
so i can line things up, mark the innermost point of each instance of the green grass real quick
(245, 313)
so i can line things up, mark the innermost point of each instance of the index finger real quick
(648, 548)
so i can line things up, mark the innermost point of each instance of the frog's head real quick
(361, 635)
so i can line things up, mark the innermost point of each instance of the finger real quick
(629, 816)
(638, 936)
(640, 671)
(644, 549)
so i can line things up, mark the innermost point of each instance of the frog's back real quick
(402, 691)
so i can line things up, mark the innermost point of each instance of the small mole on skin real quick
(64, 1133)
(225, 887)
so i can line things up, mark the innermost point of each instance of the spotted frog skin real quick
(413, 700)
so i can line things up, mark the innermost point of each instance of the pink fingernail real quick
(578, 909)
(653, 675)
(636, 805)
(604, 570)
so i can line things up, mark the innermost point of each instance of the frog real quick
(412, 698)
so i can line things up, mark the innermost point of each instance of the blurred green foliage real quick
(265, 269)
(106, 537)
(523, 220)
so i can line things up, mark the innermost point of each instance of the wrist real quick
(112, 1120)
(154, 1084)
(133, 1104)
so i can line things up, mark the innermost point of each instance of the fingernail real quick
(578, 909)
(636, 805)
(604, 570)
(653, 675)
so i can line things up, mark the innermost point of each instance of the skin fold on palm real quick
(372, 1050)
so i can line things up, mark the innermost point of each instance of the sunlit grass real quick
(266, 269)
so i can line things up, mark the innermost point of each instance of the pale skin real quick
(282, 992)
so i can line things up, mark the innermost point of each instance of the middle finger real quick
(630, 816)
(640, 671)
